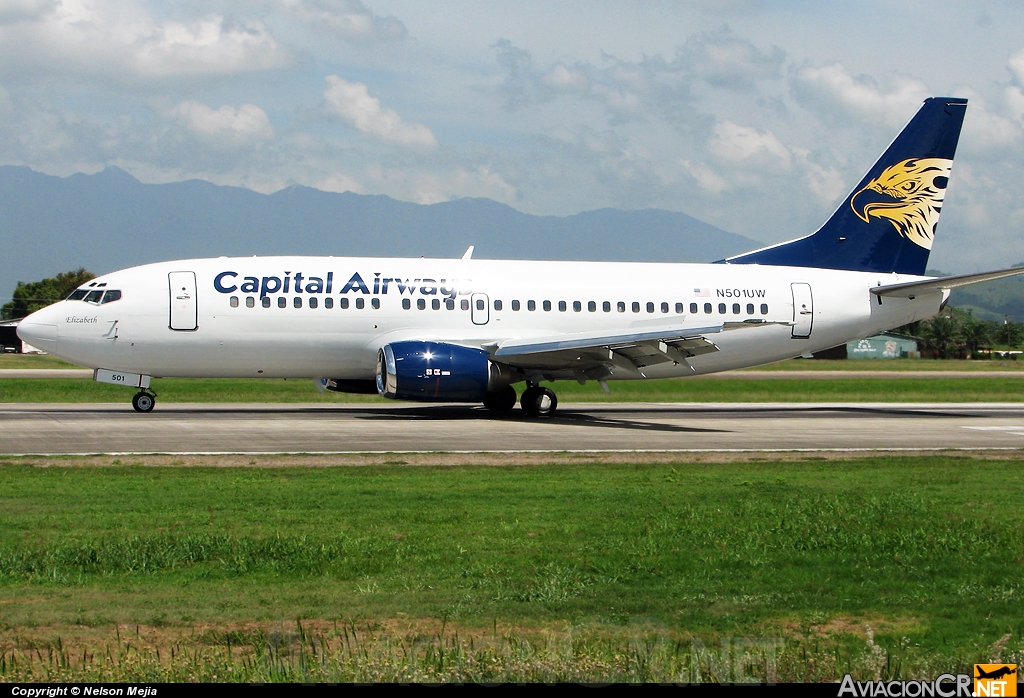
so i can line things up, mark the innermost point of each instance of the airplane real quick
(469, 330)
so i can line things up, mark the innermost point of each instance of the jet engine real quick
(437, 372)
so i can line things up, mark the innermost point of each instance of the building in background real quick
(10, 342)
(887, 345)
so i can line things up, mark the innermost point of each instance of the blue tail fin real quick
(888, 222)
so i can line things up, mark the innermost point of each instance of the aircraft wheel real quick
(539, 402)
(143, 402)
(501, 400)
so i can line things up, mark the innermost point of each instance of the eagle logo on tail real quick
(909, 194)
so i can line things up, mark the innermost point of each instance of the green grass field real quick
(705, 389)
(572, 570)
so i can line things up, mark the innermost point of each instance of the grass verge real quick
(885, 565)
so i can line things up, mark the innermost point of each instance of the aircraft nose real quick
(39, 330)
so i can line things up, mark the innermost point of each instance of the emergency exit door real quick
(803, 311)
(184, 311)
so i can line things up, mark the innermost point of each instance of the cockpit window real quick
(110, 297)
(93, 297)
(78, 294)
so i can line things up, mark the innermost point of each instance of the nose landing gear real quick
(144, 401)
(539, 402)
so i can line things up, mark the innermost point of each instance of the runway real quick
(355, 428)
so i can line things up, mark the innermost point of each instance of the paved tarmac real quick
(249, 428)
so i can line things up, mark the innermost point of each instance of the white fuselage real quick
(234, 335)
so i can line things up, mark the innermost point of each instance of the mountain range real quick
(110, 220)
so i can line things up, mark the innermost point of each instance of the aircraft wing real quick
(918, 288)
(599, 355)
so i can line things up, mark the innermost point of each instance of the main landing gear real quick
(143, 401)
(538, 401)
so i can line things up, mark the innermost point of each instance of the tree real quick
(30, 297)
(1010, 334)
(942, 333)
(976, 333)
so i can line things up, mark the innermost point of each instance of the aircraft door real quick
(480, 308)
(803, 310)
(184, 313)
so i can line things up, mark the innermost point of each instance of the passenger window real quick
(450, 304)
(606, 307)
(375, 303)
(764, 308)
(531, 305)
(650, 307)
(313, 302)
(266, 301)
(435, 303)
(282, 302)
(497, 305)
(464, 304)
(234, 301)
(93, 297)
(707, 308)
(693, 307)
(77, 295)
(636, 307)
(592, 306)
(250, 302)
(664, 307)
(735, 308)
(344, 303)
(111, 296)
(360, 303)
(421, 304)
(406, 304)
(621, 306)
(721, 308)
(561, 306)
(577, 306)
(480, 305)
(547, 306)
(297, 302)
(515, 305)
(328, 303)
(750, 308)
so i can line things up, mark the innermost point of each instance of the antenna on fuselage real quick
(469, 253)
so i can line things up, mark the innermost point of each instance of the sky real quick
(756, 117)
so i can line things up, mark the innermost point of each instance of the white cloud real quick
(6, 106)
(349, 19)
(246, 123)
(723, 59)
(565, 78)
(23, 10)
(737, 143)
(1015, 101)
(833, 87)
(708, 179)
(1016, 65)
(340, 182)
(352, 103)
(114, 40)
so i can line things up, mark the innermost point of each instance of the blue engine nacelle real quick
(435, 372)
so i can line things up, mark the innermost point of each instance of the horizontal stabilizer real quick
(918, 288)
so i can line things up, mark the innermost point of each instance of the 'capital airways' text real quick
(230, 282)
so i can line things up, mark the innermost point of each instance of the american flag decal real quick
(701, 292)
